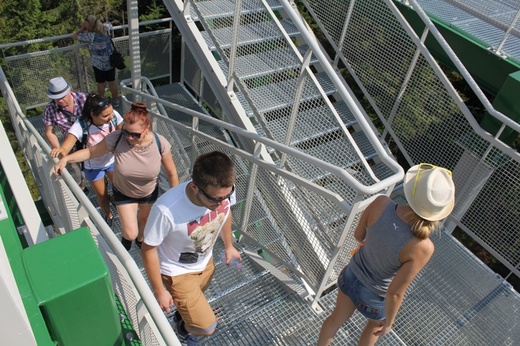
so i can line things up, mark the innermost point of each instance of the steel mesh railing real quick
(270, 220)
(30, 73)
(271, 208)
(268, 224)
(426, 118)
(494, 215)
(277, 88)
(70, 209)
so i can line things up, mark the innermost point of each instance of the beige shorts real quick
(187, 291)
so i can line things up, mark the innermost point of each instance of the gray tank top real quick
(377, 262)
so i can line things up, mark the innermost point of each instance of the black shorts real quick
(120, 199)
(104, 76)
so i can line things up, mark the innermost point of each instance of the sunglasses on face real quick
(219, 199)
(133, 135)
(425, 167)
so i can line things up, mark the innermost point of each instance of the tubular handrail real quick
(65, 36)
(126, 260)
(364, 189)
(305, 66)
(123, 257)
(35, 228)
(340, 87)
(367, 129)
(462, 69)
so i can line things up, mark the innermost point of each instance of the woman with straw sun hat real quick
(395, 247)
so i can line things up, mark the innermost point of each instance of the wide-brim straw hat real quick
(434, 196)
(58, 88)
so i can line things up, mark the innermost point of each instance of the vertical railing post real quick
(251, 186)
(296, 102)
(508, 31)
(133, 42)
(233, 50)
(344, 31)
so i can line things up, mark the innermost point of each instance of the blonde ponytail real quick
(96, 25)
(420, 227)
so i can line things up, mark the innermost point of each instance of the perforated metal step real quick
(249, 34)
(278, 95)
(225, 8)
(265, 63)
(312, 123)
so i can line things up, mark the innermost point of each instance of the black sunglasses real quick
(133, 135)
(216, 200)
(101, 105)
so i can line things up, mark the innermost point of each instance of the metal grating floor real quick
(254, 308)
(484, 20)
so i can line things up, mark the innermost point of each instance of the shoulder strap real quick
(112, 41)
(118, 139)
(113, 122)
(66, 112)
(70, 116)
(84, 127)
(158, 143)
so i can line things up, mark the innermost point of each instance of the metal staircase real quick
(308, 163)
(267, 64)
(261, 54)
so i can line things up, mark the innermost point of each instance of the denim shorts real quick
(119, 198)
(96, 174)
(369, 304)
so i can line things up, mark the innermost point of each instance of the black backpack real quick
(81, 144)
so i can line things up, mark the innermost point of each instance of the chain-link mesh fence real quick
(427, 119)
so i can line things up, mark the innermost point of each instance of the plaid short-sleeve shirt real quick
(53, 116)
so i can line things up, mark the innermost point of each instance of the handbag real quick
(116, 58)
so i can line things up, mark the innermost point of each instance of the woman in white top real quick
(98, 120)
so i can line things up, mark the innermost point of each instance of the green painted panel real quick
(489, 70)
(507, 102)
(13, 247)
(72, 285)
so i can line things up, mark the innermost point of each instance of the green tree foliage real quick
(153, 10)
(22, 20)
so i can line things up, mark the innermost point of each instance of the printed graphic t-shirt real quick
(178, 226)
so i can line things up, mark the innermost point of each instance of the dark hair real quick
(214, 169)
(94, 104)
(137, 112)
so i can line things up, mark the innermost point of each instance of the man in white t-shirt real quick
(179, 236)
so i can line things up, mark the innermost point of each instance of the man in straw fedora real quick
(395, 246)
